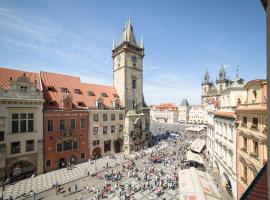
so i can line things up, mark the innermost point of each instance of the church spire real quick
(206, 78)
(128, 33)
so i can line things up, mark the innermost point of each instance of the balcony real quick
(244, 149)
(254, 127)
(254, 155)
(244, 125)
(244, 179)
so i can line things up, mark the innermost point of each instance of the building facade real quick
(220, 100)
(65, 121)
(183, 111)
(197, 114)
(164, 113)
(128, 82)
(251, 134)
(21, 121)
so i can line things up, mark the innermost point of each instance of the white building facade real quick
(21, 124)
(197, 114)
(164, 113)
(183, 111)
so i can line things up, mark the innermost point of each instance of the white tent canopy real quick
(198, 145)
(195, 184)
(195, 128)
(194, 157)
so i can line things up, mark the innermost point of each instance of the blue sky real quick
(181, 37)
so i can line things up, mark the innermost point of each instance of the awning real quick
(197, 145)
(197, 185)
(194, 157)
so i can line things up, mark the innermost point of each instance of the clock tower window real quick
(133, 84)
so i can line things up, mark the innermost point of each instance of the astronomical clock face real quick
(138, 135)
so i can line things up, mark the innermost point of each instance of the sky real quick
(181, 38)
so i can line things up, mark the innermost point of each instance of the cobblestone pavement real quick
(90, 181)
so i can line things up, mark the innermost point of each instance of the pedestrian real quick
(34, 195)
(76, 187)
(69, 189)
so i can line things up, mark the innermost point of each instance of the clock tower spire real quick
(128, 69)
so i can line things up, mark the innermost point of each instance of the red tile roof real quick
(59, 81)
(166, 106)
(257, 190)
(224, 113)
(6, 74)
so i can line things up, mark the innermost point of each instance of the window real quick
(100, 105)
(121, 128)
(104, 117)
(51, 89)
(62, 124)
(133, 84)
(107, 146)
(81, 104)
(51, 103)
(112, 117)
(67, 145)
(115, 96)
(30, 145)
(48, 163)
(244, 121)
(15, 147)
(244, 143)
(120, 116)
(30, 122)
(103, 94)
(255, 148)
(104, 129)
(112, 129)
(82, 123)
(59, 147)
(82, 155)
(96, 142)
(95, 129)
(2, 136)
(91, 93)
(75, 144)
(95, 116)
(244, 174)
(50, 125)
(255, 123)
(73, 123)
(22, 122)
(77, 91)
(64, 90)
(23, 89)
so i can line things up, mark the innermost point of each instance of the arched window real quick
(133, 84)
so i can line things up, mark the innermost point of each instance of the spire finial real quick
(113, 45)
(237, 71)
(142, 44)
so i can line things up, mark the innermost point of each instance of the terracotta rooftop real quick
(6, 75)
(224, 113)
(166, 106)
(55, 85)
(257, 190)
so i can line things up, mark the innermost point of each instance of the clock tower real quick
(128, 69)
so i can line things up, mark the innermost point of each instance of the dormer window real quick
(51, 103)
(23, 89)
(64, 90)
(103, 94)
(115, 96)
(99, 104)
(91, 93)
(81, 104)
(115, 104)
(51, 88)
(77, 91)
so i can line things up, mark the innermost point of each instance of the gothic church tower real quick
(128, 69)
